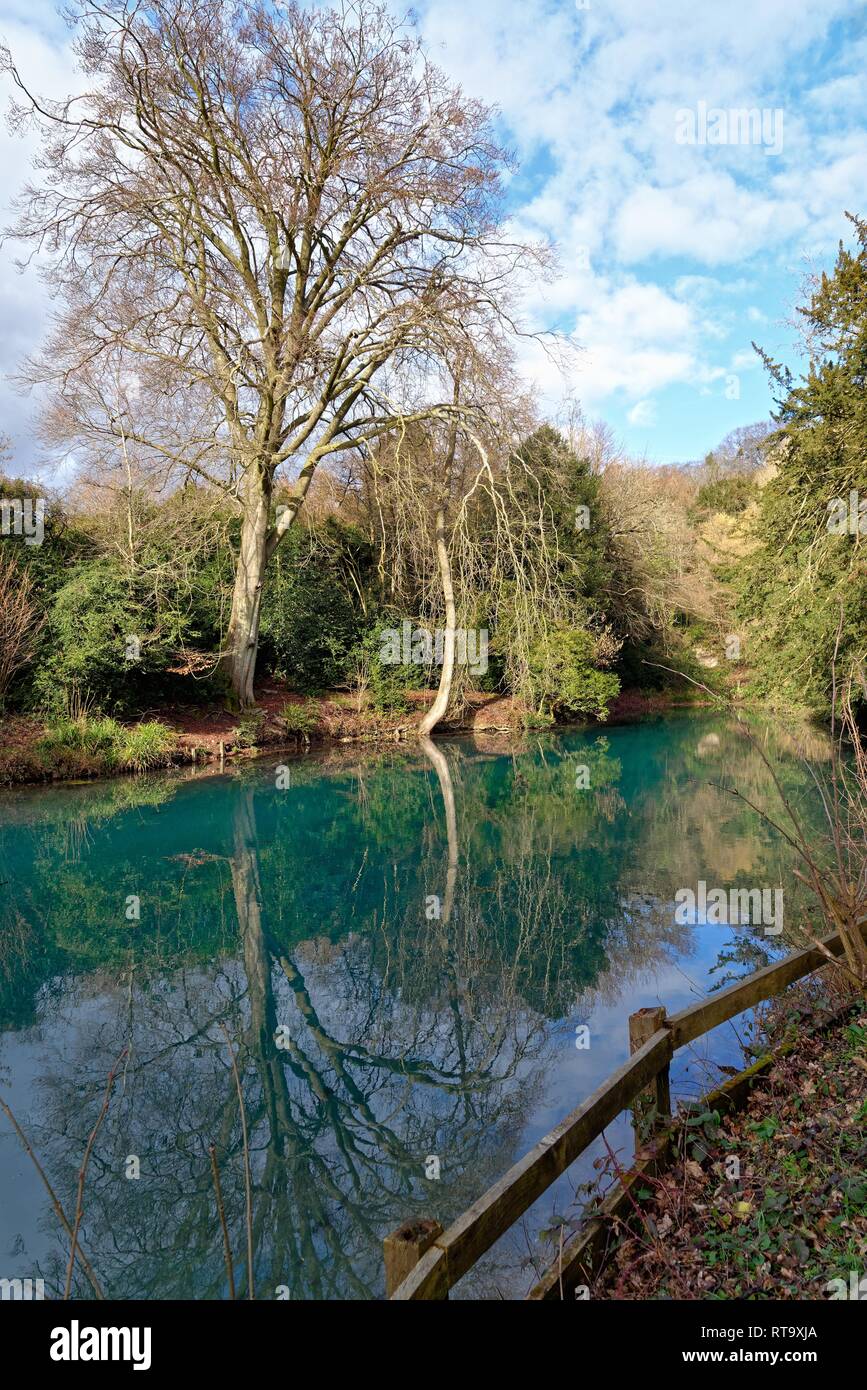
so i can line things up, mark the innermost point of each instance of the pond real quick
(420, 964)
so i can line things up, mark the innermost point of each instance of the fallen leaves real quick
(796, 1215)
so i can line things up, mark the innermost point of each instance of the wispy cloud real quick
(682, 248)
(672, 255)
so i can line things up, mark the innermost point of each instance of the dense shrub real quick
(385, 684)
(251, 727)
(732, 495)
(310, 622)
(300, 721)
(566, 677)
(671, 666)
(104, 646)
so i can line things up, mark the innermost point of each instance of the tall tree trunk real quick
(441, 703)
(242, 642)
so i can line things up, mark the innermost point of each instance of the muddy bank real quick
(205, 734)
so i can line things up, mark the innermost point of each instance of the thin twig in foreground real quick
(82, 1172)
(230, 1268)
(55, 1202)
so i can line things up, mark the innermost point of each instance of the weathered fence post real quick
(642, 1026)
(403, 1249)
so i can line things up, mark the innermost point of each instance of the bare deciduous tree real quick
(465, 528)
(265, 225)
(657, 568)
(20, 622)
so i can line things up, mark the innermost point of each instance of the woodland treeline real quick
(635, 585)
(282, 374)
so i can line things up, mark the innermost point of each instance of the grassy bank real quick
(71, 748)
(83, 747)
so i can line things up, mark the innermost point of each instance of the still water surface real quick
(399, 949)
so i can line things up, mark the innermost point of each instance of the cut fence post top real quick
(403, 1249)
(643, 1024)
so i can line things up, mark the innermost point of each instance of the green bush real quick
(533, 719)
(144, 746)
(251, 726)
(310, 623)
(86, 653)
(386, 684)
(732, 495)
(300, 720)
(564, 676)
(666, 663)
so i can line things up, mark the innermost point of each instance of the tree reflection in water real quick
(369, 1036)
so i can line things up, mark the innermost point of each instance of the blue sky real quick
(672, 255)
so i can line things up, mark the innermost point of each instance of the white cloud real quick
(588, 98)
(633, 339)
(746, 360)
(644, 413)
(839, 92)
(660, 243)
(708, 218)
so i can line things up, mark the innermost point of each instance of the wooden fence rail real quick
(441, 1264)
(691, 1023)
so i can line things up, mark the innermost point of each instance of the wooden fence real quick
(423, 1261)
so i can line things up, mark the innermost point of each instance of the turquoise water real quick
(398, 951)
